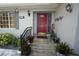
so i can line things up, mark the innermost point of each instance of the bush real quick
(63, 48)
(18, 42)
(6, 38)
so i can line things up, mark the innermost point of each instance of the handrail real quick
(25, 44)
(25, 32)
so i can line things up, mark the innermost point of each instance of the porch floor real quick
(43, 47)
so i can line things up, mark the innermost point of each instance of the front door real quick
(41, 22)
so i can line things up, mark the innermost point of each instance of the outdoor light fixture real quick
(28, 12)
(69, 8)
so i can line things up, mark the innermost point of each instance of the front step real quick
(41, 35)
(43, 47)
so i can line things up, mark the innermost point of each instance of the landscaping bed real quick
(9, 44)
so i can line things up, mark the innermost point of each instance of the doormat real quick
(41, 36)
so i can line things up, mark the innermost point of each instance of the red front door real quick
(41, 22)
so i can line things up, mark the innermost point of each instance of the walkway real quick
(8, 52)
(43, 47)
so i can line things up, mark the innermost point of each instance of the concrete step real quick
(43, 47)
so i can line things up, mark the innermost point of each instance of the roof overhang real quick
(28, 6)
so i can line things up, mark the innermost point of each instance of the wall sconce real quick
(28, 13)
(59, 18)
(69, 8)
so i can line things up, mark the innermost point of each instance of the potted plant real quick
(63, 49)
(30, 38)
(25, 49)
(54, 37)
(57, 40)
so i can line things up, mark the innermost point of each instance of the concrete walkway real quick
(43, 47)
(8, 52)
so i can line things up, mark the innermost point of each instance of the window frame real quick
(9, 20)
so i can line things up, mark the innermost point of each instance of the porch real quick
(62, 20)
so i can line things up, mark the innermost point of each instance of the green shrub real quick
(63, 48)
(6, 38)
(18, 43)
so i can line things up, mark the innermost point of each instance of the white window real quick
(7, 19)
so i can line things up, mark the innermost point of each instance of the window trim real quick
(9, 19)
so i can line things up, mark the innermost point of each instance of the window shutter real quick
(17, 20)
